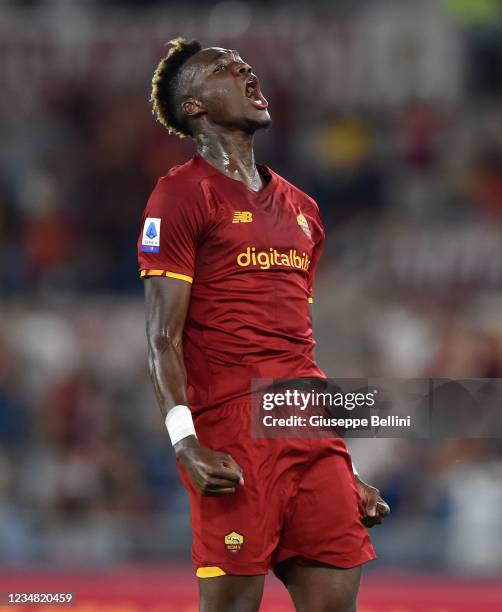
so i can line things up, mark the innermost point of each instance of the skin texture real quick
(223, 120)
(231, 594)
(167, 302)
(376, 509)
(322, 589)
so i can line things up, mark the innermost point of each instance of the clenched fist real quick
(212, 473)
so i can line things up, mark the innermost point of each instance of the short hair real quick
(165, 86)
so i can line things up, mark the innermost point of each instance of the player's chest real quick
(276, 222)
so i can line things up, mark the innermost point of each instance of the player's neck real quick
(232, 154)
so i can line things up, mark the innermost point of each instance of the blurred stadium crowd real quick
(389, 116)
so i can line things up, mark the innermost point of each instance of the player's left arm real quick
(374, 507)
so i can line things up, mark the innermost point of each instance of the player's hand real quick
(375, 508)
(212, 473)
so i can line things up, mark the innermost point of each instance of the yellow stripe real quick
(209, 572)
(151, 273)
(184, 277)
(311, 300)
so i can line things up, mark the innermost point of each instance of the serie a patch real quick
(150, 242)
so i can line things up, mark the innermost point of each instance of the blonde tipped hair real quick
(164, 97)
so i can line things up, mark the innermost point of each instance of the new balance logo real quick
(242, 216)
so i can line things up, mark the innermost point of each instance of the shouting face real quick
(223, 90)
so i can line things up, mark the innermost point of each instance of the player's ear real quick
(192, 107)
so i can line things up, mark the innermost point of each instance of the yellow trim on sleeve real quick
(147, 273)
(209, 572)
(152, 273)
(311, 300)
(184, 277)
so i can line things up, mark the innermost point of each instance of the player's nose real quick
(242, 69)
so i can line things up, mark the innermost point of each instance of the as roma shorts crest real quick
(234, 542)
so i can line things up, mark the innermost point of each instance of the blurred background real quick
(390, 115)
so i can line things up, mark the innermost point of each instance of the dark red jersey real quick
(250, 257)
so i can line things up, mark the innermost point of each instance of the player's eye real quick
(220, 68)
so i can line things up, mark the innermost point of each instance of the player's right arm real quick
(174, 220)
(211, 473)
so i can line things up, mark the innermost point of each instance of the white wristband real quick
(355, 472)
(179, 423)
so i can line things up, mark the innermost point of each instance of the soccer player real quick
(228, 251)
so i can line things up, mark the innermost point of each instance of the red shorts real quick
(299, 499)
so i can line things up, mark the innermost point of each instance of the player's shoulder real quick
(179, 194)
(298, 194)
(182, 180)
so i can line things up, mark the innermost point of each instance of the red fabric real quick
(299, 499)
(244, 321)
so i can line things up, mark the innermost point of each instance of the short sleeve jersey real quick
(250, 258)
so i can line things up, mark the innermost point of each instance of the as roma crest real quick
(303, 223)
(234, 542)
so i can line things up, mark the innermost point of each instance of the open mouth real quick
(253, 93)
